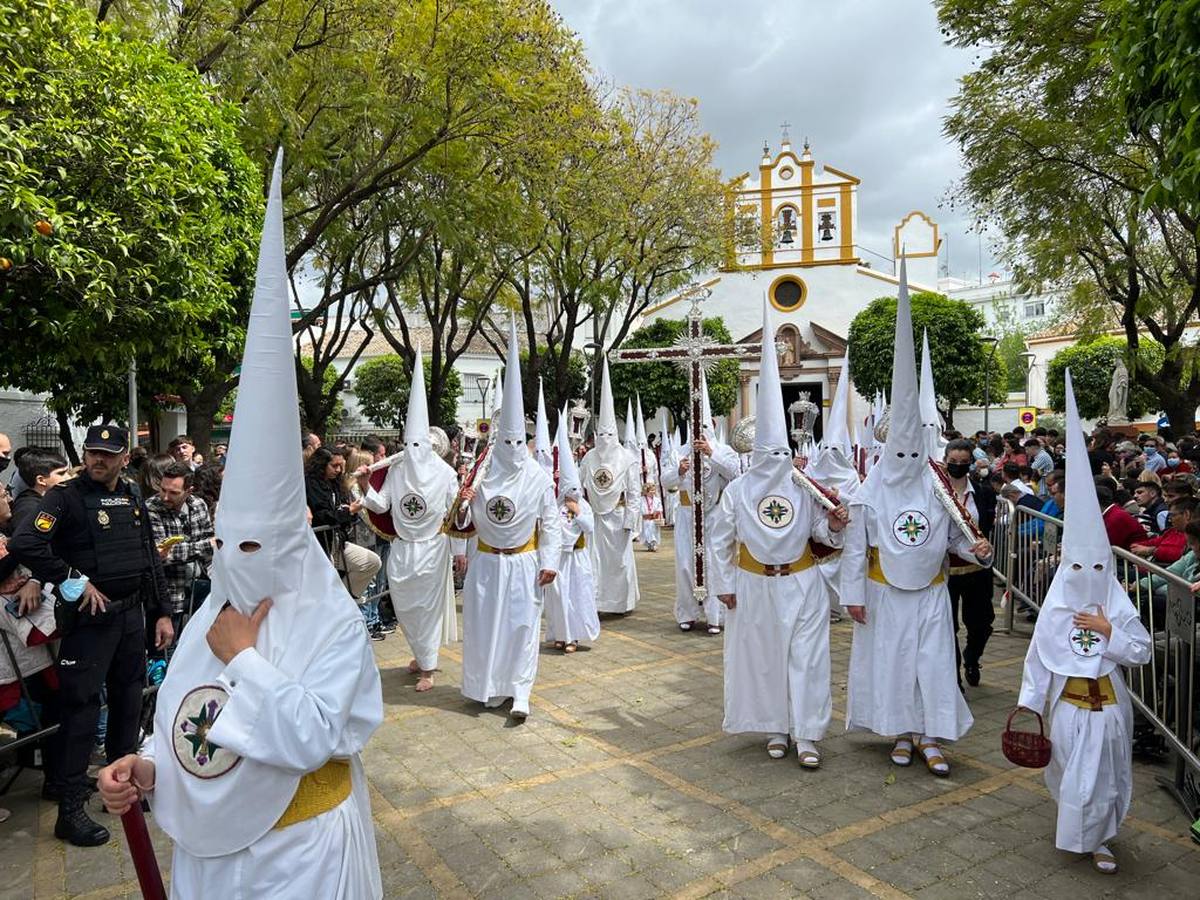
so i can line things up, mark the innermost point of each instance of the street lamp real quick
(483, 383)
(1027, 357)
(992, 343)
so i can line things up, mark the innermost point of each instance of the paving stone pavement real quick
(622, 785)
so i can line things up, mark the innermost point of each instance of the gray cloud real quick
(867, 81)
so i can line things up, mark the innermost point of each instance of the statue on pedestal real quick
(1118, 395)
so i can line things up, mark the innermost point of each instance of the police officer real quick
(97, 527)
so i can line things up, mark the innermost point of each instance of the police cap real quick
(107, 438)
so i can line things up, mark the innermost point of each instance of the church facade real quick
(796, 225)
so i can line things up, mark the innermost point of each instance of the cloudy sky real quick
(867, 81)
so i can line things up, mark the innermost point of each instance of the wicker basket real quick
(1025, 748)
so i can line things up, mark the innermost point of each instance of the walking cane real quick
(142, 852)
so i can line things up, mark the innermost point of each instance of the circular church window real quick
(788, 293)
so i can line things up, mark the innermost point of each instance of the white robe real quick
(571, 597)
(1090, 775)
(724, 468)
(297, 726)
(777, 634)
(903, 676)
(418, 564)
(502, 605)
(652, 507)
(612, 547)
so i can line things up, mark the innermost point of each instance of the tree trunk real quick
(1181, 412)
(202, 407)
(64, 435)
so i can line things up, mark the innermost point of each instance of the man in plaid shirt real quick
(174, 511)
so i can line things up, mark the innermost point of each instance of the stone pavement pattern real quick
(622, 785)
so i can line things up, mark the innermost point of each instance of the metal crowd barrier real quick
(1163, 691)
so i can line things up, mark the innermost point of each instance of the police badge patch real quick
(44, 522)
(196, 716)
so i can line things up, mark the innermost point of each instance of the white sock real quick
(806, 747)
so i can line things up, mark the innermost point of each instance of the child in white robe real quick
(1086, 629)
(651, 516)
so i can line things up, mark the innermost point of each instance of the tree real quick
(1092, 364)
(128, 211)
(1152, 50)
(333, 418)
(664, 383)
(959, 358)
(573, 386)
(1055, 163)
(381, 385)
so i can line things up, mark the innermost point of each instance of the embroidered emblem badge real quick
(775, 511)
(412, 506)
(603, 477)
(911, 528)
(102, 518)
(1085, 642)
(501, 510)
(44, 522)
(197, 754)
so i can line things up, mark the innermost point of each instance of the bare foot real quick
(425, 682)
(413, 666)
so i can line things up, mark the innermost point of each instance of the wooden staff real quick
(137, 835)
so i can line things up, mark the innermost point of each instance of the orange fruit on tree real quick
(5, 263)
(44, 228)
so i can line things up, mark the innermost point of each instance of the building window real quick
(826, 225)
(1035, 309)
(788, 293)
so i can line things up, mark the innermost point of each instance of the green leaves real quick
(1092, 364)
(959, 359)
(381, 385)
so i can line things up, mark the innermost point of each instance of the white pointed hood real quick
(910, 527)
(568, 472)
(510, 450)
(541, 434)
(834, 462)
(931, 420)
(417, 481)
(706, 416)
(629, 439)
(1085, 578)
(771, 446)
(605, 469)
(264, 548)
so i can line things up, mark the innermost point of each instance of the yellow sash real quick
(1089, 693)
(531, 544)
(875, 570)
(747, 562)
(318, 792)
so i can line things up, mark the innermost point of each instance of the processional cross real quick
(694, 352)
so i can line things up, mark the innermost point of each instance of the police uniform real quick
(105, 535)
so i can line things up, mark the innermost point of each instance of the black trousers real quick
(972, 593)
(106, 650)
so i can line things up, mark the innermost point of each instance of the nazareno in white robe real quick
(502, 605)
(617, 520)
(777, 634)
(651, 506)
(294, 725)
(723, 468)
(1090, 775)
(418, 565)
(903, 676)
(571, 597)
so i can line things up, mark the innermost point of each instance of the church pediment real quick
(825, 344)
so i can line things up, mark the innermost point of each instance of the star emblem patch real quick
(603, 477)
(501, 510)
(911, 528)
(775, 511)
(196, 752)
(1086, 643)
(412, 506)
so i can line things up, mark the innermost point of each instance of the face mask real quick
(71, 589)
(958, 470)
(4, 461)
(1172, 463)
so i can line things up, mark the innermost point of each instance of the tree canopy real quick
(664, 383)
(1069, 159)
(129, 211)
(382, 384)
(1092, 364)
(959, 358)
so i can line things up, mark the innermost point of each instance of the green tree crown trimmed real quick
(1092, 364)
(664, 383)
(959, 357)
(381, 385)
